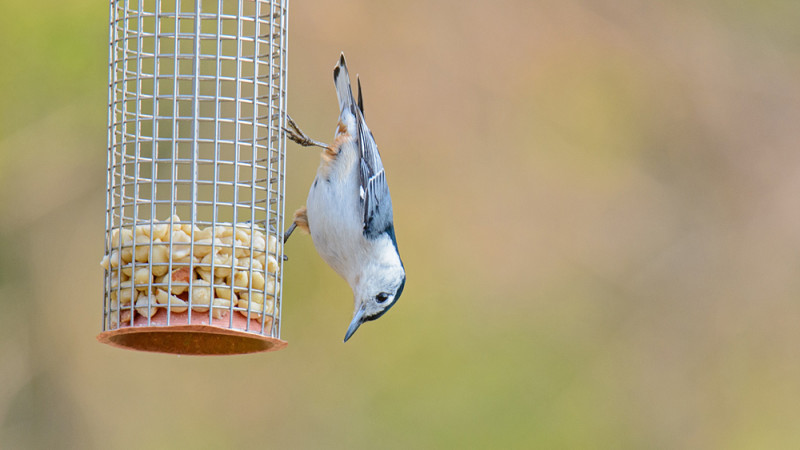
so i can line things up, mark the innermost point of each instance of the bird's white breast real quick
(335, 217)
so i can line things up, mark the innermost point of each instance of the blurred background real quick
(596, 203)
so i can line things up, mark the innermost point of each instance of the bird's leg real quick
(300, 220)
(289, 232)
(296, 134)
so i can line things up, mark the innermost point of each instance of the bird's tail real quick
(342, 81)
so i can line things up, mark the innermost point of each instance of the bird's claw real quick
(296, 134)
(289, 232)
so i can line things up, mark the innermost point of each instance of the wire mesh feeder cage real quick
(194, 210)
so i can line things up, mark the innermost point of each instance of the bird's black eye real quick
(382, 297)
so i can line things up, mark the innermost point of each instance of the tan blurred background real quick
(596, 203)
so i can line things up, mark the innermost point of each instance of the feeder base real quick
(199, 338)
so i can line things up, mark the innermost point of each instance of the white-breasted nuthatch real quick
(349, 211)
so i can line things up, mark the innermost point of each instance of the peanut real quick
(203, 247)
(243, 235)
(220, 308)
(117, 316)
(222, 265)
(200, 295)
(141, 277)
(175, 304)
(205, 233)
(224, 291)
(114, 258)
(181, 246)
(127, 237)
(272, 265)
(257, 280)
(226, 247)
(126, 293)
(159, 259)
(255, 297)
(241, 279)
(255, 309)
(127, 254)
(160, 231)
(146, 305)
(142, 248)
(273, 244)
(180, 280)
(258, 241)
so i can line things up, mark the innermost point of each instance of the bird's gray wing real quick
(375, 199)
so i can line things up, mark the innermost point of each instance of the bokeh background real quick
(596, 203)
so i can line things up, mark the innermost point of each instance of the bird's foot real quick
(300, 220)
(296, 134)
(289, 232)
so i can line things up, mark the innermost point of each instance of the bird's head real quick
(375, 291)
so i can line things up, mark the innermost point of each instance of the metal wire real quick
(197, 99)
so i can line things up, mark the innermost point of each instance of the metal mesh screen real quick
(197, 98)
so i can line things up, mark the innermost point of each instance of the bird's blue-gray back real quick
(376, 201)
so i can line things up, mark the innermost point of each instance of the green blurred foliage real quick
(595, 202)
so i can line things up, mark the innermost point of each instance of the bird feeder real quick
(195, 187)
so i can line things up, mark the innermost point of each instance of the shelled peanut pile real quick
(222, 268)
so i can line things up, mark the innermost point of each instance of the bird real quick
(348, 211)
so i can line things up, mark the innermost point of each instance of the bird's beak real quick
(355, 323)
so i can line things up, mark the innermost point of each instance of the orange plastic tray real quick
(198, 338)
